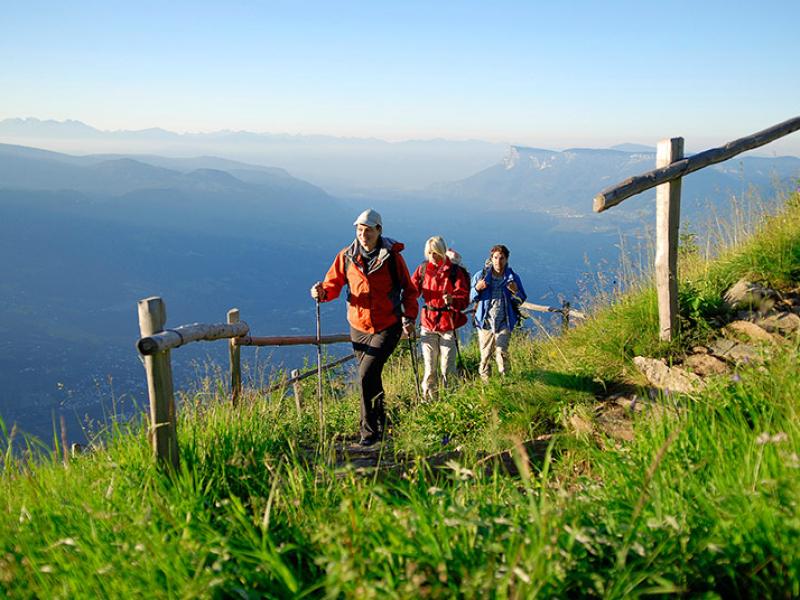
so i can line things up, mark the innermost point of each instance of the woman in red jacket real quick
(444, 288)
(381, 304)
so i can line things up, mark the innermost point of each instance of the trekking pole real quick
(415, 365)
(319, 377)
(459, 359)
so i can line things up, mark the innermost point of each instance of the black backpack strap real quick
(392, 264)
(397, 288)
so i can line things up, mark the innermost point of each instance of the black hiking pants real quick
(372, 350)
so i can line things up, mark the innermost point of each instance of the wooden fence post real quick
(163, 432)
(235, 360)
(668, 216)
(298, 392)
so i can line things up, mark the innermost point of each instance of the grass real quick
(703, 502)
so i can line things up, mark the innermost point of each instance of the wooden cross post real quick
(163, 432)
(235, 353)
(668, 215)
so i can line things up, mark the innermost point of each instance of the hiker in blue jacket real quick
(498, 291)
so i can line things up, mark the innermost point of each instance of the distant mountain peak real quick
(31, 126)
(634, 148)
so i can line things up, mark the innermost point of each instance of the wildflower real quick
(766, 438)
(445, 440)
(735, 378)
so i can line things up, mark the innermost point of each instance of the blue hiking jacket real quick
(484, 297)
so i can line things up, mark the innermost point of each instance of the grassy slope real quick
(701, 502)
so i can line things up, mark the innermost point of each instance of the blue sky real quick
(545, 74)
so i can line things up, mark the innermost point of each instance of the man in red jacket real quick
(381, 304)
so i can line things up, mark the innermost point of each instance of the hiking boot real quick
(370, 440)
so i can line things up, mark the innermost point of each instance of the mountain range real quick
(340, 165)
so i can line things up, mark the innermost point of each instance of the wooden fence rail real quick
(173, 338)
(671, 166)
(615, 194)
(293, 340)
(296, 377)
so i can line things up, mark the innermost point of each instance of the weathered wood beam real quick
(286, 340)
(235, 356)
(172, 338)
(297, 376)
(542, 308)
(163, 431)
(615, 194)
(668, 217)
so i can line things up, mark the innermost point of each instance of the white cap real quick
(370, 218)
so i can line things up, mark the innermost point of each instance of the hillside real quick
(573, 477)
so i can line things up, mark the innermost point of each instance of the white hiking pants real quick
(497, 344)
(438, 353)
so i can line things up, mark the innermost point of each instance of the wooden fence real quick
(157, 341)
(671, 167)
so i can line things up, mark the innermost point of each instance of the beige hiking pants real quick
(497, 344)
(438, 354)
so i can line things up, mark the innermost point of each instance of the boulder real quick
(745, 295)
(674, 379)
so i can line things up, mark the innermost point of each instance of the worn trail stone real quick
(616, 423)
(580, 425)
(751, 330)
(745, 294)
(664, 377)
(705, 364)
(736, 352)
(783, 323)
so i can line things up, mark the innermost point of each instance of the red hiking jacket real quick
(374, 303)
(432, 281)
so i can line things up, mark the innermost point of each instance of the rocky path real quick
(761, 319)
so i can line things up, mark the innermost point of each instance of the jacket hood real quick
(393, 245)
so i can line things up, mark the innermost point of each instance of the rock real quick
(736, 352)
(664, 377)
(580, 425)
(751, 330)
(783, 323)
(705, 364)
(699, 350)
(745, 294)
(721, 347)
(615, 422)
